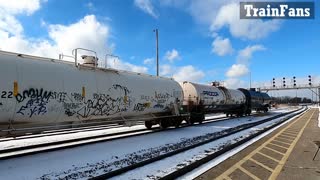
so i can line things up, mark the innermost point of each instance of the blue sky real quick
(200, 40)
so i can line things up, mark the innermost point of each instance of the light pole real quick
(157, 50)
(250, 79)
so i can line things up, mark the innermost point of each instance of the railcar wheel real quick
(190, 121)
(148, 124)
(248, 112)
(177, 123)
(163, 124)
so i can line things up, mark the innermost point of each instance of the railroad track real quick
(47, 133)
(65, 131)
(89, 128)
(70, 143)
(190, 167)
(62, 132)
(208, 138)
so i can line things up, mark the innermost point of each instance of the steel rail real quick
(70, 143)
(219, 135)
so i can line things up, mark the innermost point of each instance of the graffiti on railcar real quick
(36, 103)
(33, 107)
(141, 106)
(162, 97)
(72, 105)
(101, 104)
(77, 97)
(116, 99)
(59, 96)
(160, 106)
(146, 98)
(160, 100)
(34, 94)
(122, 88)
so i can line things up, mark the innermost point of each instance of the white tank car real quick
(236, 96)
(40, 90)
(199, 98)
(196, 94)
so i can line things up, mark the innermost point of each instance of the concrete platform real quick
(288, 153)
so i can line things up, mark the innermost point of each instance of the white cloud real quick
(222, 46)
(90, 6)
(87, 33)
(234, 83)
(166, 70)
(148, 61)
(8, 23)
(204, 11)
(19, 6)
(172, 55)
(188, 73)
(184, 73)
(229, 16)
(237, 70)
(146, 6)
(245, 54)
(119, 64)
(242, 67)
(174, 3)
(225, 13)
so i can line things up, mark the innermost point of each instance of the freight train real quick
(39, 92)
(201, 99)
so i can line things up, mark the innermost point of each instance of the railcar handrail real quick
(75, 53)
(61, 56)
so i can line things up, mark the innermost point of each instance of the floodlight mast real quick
(157, 50)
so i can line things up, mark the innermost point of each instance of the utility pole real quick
(157, 50)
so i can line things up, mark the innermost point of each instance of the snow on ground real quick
(171, 164)
(211, 116)
(75, 162)
(62, 137)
